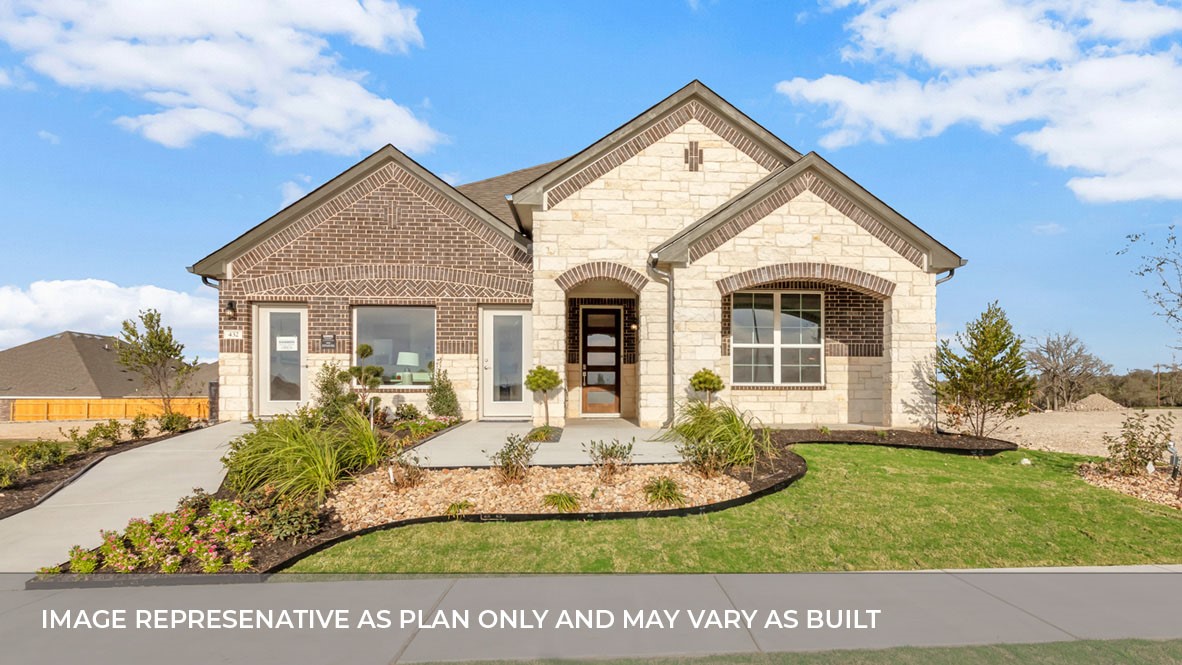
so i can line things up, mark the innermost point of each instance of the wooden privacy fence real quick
(24, 410)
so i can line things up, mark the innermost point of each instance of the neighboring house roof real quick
(72, 364)
(490, 193)
(214, 265)
(866, 210)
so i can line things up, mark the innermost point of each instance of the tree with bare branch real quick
(1065, 368)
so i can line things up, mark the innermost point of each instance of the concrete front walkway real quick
(470, 444)
(135, 483)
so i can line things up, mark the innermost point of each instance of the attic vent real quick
(693, 156)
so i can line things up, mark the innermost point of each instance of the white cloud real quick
(1048, 229)
(1093, 79)
(49, 137)
(98, 306)
(226, 68)
(293, 191)
(5, 80)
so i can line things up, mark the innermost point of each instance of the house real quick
(77, 376)
(690, 237)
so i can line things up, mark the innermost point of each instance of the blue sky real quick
(136, 142)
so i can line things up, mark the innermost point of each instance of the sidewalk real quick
(131, 484)
(933, 608)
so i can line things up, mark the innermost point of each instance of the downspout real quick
(951, 274)
(936, 421)
(205, 280)
(668, 277)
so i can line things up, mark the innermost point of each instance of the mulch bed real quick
(553, 435)
(1157, 487)
(896, 438)
(33, 489)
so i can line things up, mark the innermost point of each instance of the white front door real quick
(281, 346)
(504, 352)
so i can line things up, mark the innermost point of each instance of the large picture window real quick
(403, 342)
(777, 338)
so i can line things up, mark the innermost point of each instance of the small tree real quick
(1140, 442)
(333, 395)
(441, 396)
(156, 355)
(988, 383)
(367, 377)
(1066, 369)
(706, 381)
(542, 380)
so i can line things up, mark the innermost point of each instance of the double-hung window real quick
(777, 338)
(402, 339)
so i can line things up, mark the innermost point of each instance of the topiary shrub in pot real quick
(542, 380)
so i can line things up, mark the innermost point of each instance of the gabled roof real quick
(73, 364)
(214, 265)
(490, 193)
(532, 193)
(891, 225)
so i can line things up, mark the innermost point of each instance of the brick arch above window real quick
(853, 278)
(586, 272)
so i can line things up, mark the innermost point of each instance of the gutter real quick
(668, 277)
(951, 274)
(205, 280)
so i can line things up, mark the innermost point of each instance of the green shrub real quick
(511, 462)
(712, 439)
(407, 411)
(138, 428)
(1140, 442)
(38, 456)
(824, 430)
(110, 431)
(663, 491)
(292, 520)
(459, 508)
(441, 396)
(563, 502)
(82, 442)
(424, 426)
(298, 456)
(706, 381)
(173, 422)
(609, 459)
(371, 445)
(83, 561)
(196, 502)
(332, 394)
(9, 472)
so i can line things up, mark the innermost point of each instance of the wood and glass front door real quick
(281, 344)
(601, 360)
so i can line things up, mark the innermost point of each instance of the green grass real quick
(8, 444)
(859, 508)
(1142, 652)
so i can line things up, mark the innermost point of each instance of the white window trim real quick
(775, 344)
(395, 386)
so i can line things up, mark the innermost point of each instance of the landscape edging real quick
(70, 581)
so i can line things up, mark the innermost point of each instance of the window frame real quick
(434, 343)
(777, 345)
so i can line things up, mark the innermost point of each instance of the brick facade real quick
(853, 324)
(5, 410)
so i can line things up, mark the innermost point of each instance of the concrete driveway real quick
(135, 483)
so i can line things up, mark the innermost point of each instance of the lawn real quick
(859, 508)
(8, 444)
(1056, 653)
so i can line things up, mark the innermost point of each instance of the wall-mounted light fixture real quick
(633, 327)
(231, 309)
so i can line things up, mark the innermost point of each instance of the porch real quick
(470, 444)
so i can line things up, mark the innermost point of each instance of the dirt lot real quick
(1068, 432)
(47, 430)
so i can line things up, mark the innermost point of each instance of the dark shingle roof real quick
(490, 193)
(72, 364)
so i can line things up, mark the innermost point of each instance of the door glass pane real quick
(601, 378)
(601, 397)
(601, 320)
(601, 339)
(506, 365)
(284, 345)
(601, 358)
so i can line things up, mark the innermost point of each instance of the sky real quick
(1031, 138)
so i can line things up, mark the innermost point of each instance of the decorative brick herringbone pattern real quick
(692, 110)
(586, 272)
(791, 190)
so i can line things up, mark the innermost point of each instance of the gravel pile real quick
(1094, 402)
(373, 499)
